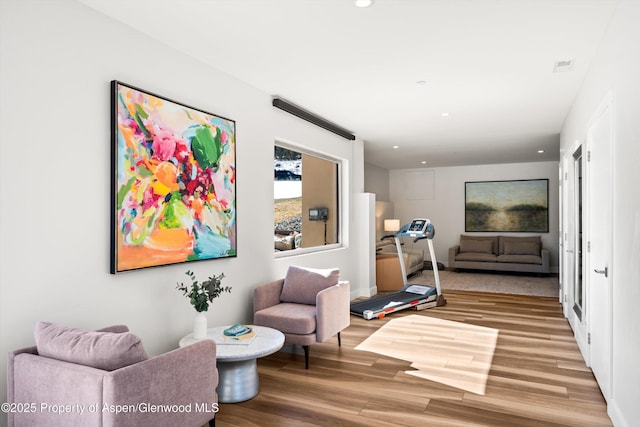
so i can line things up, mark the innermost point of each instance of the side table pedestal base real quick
(237, 381)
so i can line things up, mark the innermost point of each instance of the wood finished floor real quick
(537, 376)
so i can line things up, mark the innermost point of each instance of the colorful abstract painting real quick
(173, 182)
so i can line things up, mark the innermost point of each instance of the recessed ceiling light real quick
(424, 162)
(445, 114)
(396, 146)
(363, 3)
(421, 82)
(540, 151)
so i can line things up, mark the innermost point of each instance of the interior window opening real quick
(306, 191)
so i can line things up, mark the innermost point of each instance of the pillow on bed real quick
(301, 285)
(101, 350)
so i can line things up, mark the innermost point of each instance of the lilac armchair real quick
(106, 379)
(307, 306)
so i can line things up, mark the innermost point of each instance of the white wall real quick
(616, 68)
(384, 210)
(376, 180)
(57, 59)
(445, 203)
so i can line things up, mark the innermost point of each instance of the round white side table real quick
(236, 360)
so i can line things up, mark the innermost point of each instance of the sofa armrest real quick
(413, 251)
(185, 376)
(453, 251)
(414, 259)
(544, 254)
(267, 295)
(332, 310)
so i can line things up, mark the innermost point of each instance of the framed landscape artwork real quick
(173, 196)
(507, 206)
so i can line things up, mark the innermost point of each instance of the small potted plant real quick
(200, 296)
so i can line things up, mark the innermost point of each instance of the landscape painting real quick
(507, 206)
(173, 181)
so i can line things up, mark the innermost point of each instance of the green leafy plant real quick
(201, 294)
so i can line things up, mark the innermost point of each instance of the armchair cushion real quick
(301, 285)
(101, 350)
(289, 318)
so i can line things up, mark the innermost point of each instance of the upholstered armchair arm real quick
(50, 369)
(267, 295)
(186, 376)
(58, 383)
(332, 310)
(11, 375)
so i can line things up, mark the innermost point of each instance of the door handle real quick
(569, 251)
(605, 271)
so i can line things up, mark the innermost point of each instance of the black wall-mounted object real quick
(312, 118)
(318, 214)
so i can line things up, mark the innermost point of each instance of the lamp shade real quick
(391, 225)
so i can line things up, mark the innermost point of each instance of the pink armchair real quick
(307, 306)
(75, 377)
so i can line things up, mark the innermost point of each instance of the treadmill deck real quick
(380, 306)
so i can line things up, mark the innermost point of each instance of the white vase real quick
(200, 326)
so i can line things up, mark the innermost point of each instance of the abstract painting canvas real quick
(173, 191)
(507, 206)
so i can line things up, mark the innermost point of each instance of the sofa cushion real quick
(518, 239)
(520, 259)
(288, 318)
(521, 248)
(476, 256)
(476, 246)
(301, 285)
(464, 239)
(101, 350)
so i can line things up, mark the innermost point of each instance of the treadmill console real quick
(418, 227)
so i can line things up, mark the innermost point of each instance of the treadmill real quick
(410, 296)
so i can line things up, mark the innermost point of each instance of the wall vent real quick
(561, 66)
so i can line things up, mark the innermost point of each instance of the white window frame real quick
(339, 201)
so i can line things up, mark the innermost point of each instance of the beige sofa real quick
(388, 272)
(501, 253)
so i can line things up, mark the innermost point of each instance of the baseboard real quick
(617, 418)
(357, 293)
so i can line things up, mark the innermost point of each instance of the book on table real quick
(238, 330)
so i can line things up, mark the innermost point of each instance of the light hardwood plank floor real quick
(537, 376)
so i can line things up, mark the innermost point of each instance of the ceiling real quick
(387, 73)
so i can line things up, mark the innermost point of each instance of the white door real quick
(599, 243)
